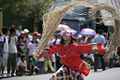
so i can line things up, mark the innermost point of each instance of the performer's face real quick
(67, 36)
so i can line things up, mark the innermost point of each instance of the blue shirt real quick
(99, 39)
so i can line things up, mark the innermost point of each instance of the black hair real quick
(4, 30)
(22, 57)
(20, 37)
(100, 31)
(12, 30)
(62, 40)
(33, 39)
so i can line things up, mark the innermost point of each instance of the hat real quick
(26, 30)
(36, 34)
(13, 26)
(22, 32)
(68, 31)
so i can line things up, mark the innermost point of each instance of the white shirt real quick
(12, 45)
(5, 47)
(41, 59)
(53, 58)
(20, 63)
(28, 39)
(18, 32)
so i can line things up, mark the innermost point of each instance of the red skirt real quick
(65, 73)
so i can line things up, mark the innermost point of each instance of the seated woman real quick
(73, 67)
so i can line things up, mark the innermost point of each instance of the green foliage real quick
(38, 7)
(17, 11)
(13, 6)
(34, 8)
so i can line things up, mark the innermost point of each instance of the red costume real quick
(70, 55)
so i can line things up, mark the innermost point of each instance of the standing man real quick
(99, 39)
(12, 52)
(3, 50)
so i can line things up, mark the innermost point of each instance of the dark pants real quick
(96, 63)
(11, 63)
(40, 66)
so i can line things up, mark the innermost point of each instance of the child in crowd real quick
(48, 62)
(32, 46)
(20, 47)
(31, 61)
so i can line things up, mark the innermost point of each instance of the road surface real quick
(109, 74)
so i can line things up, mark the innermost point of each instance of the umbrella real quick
(62, 27)
(69, 31)
(87, 31)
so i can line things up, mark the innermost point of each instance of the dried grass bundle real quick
(115, 40)
(52, 19)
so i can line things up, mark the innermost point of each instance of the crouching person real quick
(21, 66)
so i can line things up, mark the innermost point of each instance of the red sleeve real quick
(54, 49)
(84, 48)
(89, 49)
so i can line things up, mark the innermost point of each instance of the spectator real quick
(40, 64)
(20, 47)
(21, 66)
(3, 50)
(116, 59)
(32, 66)
(31, 48)
(99, 39)
(12, 52)
(48, 62)
(27, 39)
(18, 32)
(112, 59)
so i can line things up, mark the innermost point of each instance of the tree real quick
(22, 9)
(37, 8)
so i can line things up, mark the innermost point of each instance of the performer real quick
(73, 67)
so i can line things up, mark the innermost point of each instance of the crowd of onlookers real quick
(17, 47)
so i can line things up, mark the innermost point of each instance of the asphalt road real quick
(109, 74)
